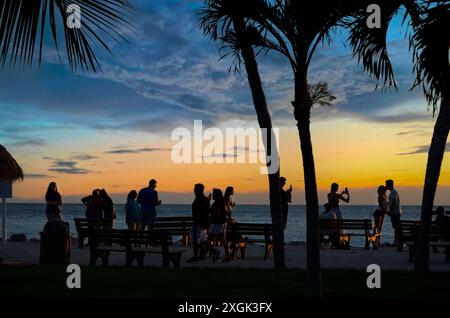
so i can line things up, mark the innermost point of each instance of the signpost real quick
(5, 192)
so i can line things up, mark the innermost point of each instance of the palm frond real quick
(23, 26)
(370, 45)
(430, 45)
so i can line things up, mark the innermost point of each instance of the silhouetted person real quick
(200, 214)
(54, 202)
(109, 213)
(148, 199)
(286, 198)
(382, 208)
(217, 229)
(395, 209)
(229, 203)
(441, 218)
(94, 208)
(334, 198)
(132, 211)
(333, 236)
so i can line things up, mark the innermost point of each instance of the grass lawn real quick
(31, 281)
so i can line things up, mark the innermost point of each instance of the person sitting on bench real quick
(333, 237)
(441, 218)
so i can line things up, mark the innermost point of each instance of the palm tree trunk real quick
(302, 112)
(265, 123)
(435, 157)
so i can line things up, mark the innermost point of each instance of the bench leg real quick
(447, 254)
(140, 259)
(80, 242)
(400, 245)
(367, 245)
(176, 259)
(93, 258)
(166, 260)
(411, 253)
(104, 256)
(268, 252)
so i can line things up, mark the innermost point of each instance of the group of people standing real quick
(99, 205)
(140, 209)
(389, 205)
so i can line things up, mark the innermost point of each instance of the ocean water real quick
(30, 219)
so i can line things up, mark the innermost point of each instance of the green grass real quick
(31, 281)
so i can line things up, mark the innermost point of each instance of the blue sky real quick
(168, 76)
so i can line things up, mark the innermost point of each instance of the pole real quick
(4, 228)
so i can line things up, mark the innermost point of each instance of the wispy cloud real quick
(61, 166)
(83, 157)
(134, 150)
(36, 176)
(421, 149)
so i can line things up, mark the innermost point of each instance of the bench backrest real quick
(128, 237)
(251, 229)
(346, 224)
(82, 225)
(177, 225)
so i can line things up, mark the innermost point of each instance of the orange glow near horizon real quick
(357, 155)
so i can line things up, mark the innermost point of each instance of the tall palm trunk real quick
(435, 157)
(265, 122)
(302, 111)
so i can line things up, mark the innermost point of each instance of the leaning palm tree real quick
(225, 21)
(24, 25)
(295, 29)
(431, 43)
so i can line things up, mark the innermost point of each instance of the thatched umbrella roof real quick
(10, 170)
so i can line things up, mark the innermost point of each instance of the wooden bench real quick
(406, 232)
(439, 236)
(176, 226)
(84, 225)
(240, 234)
(135, 244)
(347, 228)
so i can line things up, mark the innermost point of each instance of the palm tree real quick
(295, 29)
(225, 21)
(23, 25)
(431, 42)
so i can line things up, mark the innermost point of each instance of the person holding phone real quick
(334, 197)
(286, 198)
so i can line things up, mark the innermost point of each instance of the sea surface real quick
(30, 219)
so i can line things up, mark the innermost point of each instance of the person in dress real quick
(132, 212)
(54, 202)
(334, 197)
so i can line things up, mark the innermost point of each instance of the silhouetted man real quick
(148, 199)
(286, 198)
(200, 213)
(395, 209)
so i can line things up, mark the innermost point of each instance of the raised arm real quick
(343, 198)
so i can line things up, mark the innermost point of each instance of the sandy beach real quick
(356, 258)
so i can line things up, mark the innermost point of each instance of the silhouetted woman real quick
(132, 211)
(54, 202)
(334, 197)
(229, 203)
(109, 213)
(382, 209)
(217, 229)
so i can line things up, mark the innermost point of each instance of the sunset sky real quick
(112, 129)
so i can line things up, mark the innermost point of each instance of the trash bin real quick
(55, 243)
